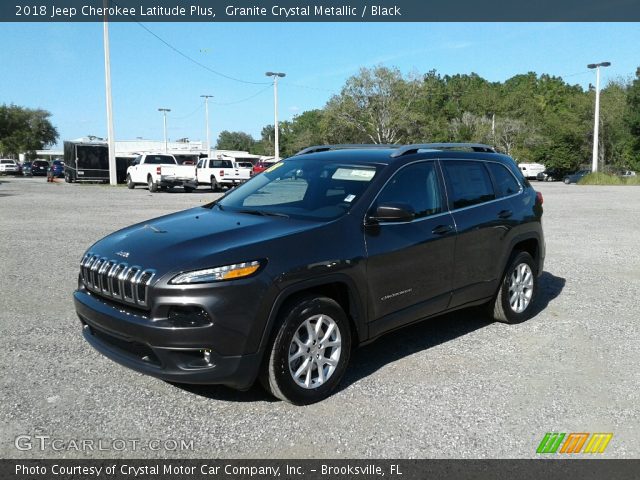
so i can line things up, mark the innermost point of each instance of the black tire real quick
(130, 184)
(214, 184)
(567, 181)
(67, 177)
(501, 308)
(277, 376)
(187, 189)
(153, 187)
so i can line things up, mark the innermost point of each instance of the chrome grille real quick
(118, 280)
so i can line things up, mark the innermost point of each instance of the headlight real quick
(228, 272)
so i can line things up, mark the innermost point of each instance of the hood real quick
(194, 238)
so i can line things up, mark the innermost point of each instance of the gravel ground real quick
(454, 386)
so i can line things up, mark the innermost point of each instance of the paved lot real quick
(455, 386)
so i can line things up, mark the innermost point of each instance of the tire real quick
(67, 177)
(214, 184)
(520, 282)
(153, 187)
(309, 386)
(549, 179)
(567, 181)
(130, 184)
(187, 189)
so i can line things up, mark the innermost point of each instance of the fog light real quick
(189, 316)
(207, 357)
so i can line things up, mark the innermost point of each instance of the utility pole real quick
(596, 126)
(113, 179)
(275, 76)
(164, 114)
(206, 113)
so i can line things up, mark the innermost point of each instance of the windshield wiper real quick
(264, 213)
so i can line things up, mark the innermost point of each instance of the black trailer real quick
(86, 161)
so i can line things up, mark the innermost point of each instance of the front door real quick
(409, 264)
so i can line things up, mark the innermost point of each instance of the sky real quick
(60, 66)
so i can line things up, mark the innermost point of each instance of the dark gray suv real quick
(281, 277)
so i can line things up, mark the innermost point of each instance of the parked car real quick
(39, 167)
(56, 169)
(218, 173)
(231, 291)
(627, 174)
(26, 169)
(9, 167)
(261, 166)
(552, 175)
(531, 170)
(159, 170)
(575, 177)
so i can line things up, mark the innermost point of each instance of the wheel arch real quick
(337, 287)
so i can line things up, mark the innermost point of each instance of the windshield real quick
(302, 189)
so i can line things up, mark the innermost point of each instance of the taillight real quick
(158, 170)
(539, 198)
(222, 173)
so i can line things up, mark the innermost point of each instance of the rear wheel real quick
(130, 184)
(214, 184)
(310, 352)
(517, 291)
(153, 187)
(567, 181)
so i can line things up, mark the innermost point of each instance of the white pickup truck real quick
(160, 170)
(222, 172)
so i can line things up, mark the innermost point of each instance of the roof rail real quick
(344, 146)
(409, 149)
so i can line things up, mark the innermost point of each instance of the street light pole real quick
(164, 114)
(275, 76)
(206, 113)
(596, 126)
(111, 141)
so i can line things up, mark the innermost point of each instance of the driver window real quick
(416, 185)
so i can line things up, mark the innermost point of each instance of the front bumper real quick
(172, 354)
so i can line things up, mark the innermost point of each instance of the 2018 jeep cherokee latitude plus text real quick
(328, 249)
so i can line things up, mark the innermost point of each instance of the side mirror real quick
(392, 212)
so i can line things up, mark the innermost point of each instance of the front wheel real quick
(309, 353)
(130, 184)
(517, 291)
(567, 181)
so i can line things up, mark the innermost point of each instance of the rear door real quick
(409, 264)
(483, 221)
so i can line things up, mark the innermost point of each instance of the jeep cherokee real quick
(281, 277)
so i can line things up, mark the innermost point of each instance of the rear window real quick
(160, 160)
(468, 183)
(505, 183)
(41, 163)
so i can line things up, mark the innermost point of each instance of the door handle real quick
(505, 214)
(442, 229)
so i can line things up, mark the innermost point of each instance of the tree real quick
(235, 141)
(373, 106)
(25, 130)
(632, 119)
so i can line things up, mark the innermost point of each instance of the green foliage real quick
(600, 178)
(235, 141)
(24, 130)
(533, 118)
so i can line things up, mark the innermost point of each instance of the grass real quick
(599, 178)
